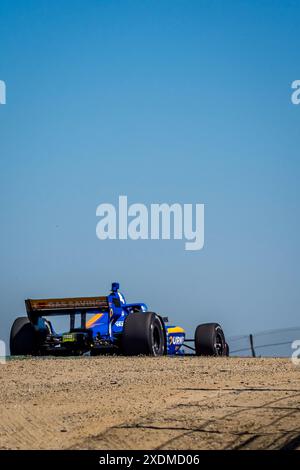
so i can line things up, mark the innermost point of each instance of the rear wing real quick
(68, 306)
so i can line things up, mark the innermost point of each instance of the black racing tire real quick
(227, 350)
(23, 338)
(143, 334)
(210, 340)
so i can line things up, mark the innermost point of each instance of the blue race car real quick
(108, 325)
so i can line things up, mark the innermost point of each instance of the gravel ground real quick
(149, 403)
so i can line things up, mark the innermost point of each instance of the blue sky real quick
(168, 101)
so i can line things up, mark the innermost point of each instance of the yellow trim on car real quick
(176, 329)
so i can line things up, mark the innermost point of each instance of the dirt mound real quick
(149, 403)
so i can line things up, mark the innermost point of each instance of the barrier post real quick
(252, 345)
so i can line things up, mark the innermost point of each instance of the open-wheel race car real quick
(108, 324)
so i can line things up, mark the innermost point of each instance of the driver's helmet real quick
(115, 290)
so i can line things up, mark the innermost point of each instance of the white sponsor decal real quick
(177, 339)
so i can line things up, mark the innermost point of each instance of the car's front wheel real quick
(143, 334)
(210, 340)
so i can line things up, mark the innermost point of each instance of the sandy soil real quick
(149, 403)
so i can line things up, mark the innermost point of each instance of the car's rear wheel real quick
(143, 333)
(210, 340)
(23, 338)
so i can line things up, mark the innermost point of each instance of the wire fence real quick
(271, 343)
